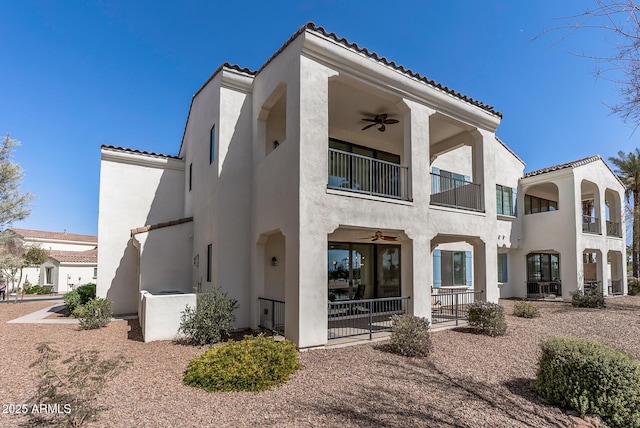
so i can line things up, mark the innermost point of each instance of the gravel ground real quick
(469, 381)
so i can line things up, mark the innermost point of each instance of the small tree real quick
(14, 257)
(14, 205)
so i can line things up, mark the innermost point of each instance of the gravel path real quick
(469, 381)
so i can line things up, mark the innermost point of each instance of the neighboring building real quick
(331, 174)
(72, 261)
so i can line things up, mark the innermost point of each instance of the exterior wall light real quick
(274, 261)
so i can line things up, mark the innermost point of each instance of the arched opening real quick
(613, 213)
(274, 114)
(590, 200)
(541, 198)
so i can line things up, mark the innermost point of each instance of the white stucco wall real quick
(165, 259)
(159, 315)
(135, 190)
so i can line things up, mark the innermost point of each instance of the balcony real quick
(455, 193)
(544, 289)
(590, 224)
(614, 229)
(366, 175)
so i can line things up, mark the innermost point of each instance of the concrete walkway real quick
(40, 317)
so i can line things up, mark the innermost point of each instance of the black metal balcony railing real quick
(591, 284)
(456, 193)
(362, 174)
(367, 316)
(590, 224)
(447, 306)
(271, 315)
(614, 229)
(615, 287)
(544, 289)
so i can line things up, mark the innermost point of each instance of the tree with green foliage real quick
(14, 205)
(627, 167)
(14, 257)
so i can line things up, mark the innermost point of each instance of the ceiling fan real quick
(378, 235)
(380, 120)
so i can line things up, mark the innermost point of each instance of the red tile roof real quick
(138, 152)
(61, 236)
(89, 256)
(565, 165)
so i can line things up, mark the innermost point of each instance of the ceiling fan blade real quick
(369, 120)
(375, 238)
(368, 126)
(389, 238)
(391, 121)
(382, 127)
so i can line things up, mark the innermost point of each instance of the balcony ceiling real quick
(348, 104)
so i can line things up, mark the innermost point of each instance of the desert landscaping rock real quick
(469, 381)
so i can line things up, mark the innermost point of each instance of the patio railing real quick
(544, 289)
(615, 287)
(590, 224)
(455, 193)
(271, 315)
(450, 306)
(362, 174)
(367, 316)
(614, 229)
(589, 285)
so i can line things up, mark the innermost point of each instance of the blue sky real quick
(78, 74)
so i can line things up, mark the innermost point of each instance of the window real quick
(95, 272)
(543, 267)
(209, 261)
(452, 268)
(212, 145)
(505, 200)
(533, 205)
(447, 180)
(190, 175)
(502, 268)
(48, 272)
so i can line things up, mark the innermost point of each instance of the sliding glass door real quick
(363, 271)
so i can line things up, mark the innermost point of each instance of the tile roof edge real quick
(138, 152)
(224, 65)
(150, 227)
(510, 151)
(573, 164)
(311, 26)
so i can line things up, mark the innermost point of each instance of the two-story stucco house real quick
(332, 175)
(72, 259)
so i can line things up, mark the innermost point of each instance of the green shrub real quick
(86, 292)
(29, 289)
(592, 298)
(253, 364)
(410, 336)
(71, 302)
(634, 286)
(95, 313)
(590, 377)
(211, 319)
(525, 310)
(487, 318)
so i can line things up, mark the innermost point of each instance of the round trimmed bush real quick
(487, 318)
(410, 336)
(525, 310)
(590, 377)
(252, 364)
(95, 313)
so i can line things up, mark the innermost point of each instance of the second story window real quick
(505, 200)
(212, 145)
(533, 205)
(190, 176)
